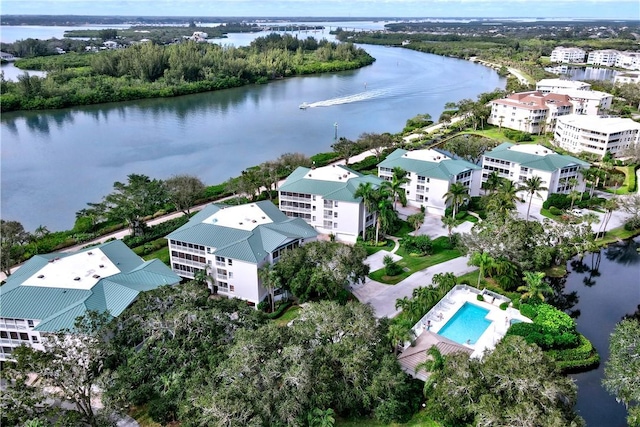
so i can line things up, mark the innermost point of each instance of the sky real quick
(605, 9)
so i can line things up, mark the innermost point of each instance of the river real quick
(606, 286)
(54, 162)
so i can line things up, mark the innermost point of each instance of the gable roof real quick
(243, 244)
(315, 181)
(442, 169)
(57, 303)
(545, 159)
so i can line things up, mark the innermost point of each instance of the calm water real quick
(607, 287)
(583, 73)
(54, 162)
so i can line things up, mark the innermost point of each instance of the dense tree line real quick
(147, 70)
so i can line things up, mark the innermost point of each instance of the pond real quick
(600, 290)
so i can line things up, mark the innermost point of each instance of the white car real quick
(577, 212)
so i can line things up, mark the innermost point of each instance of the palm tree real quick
(500, 120)
(456, 196)
(270, 281)
(40, 233)
(493, 182)
(395, 186)
(574, 195)
(535, 286)
(365, 190)
(533, 186)
(398, 334)
(450, 223)
(433, 364)
(482, 260)
(384, 211)
(609, 205)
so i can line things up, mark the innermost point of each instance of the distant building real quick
(232, 242)
(430, 173)
(7, 56)
(628, 60)
(632, 77)
(199, 36)
(50, 291)
(552, 85)
(519, 162)
(589, 102)
(532, 112)
(110, 44)
(325, 198)
(605, 57)
(597, 135)
(572, 55)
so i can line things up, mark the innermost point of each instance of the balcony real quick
(306, 199)
(187, 250)
(286, 208)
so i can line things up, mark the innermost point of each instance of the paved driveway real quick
(383, 297)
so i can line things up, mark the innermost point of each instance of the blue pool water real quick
(467, 325)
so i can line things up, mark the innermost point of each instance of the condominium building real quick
(532, 112)
(597, 135)
(519, 162)
(48, 292)
(632, 77)
(231, 243)
(606, 57)
(430, 173)
(553, 85)
(589, 102)
(325, 198)
(571, 55)
(628, 60)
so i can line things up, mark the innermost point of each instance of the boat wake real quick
(362, 96)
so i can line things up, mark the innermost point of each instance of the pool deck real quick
(500, 319)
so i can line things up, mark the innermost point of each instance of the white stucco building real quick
(632, 77)
(596, 135)
(532, 112)
(48, 292)
(589, 102)
(552, 85)
(519, 162)
(233, 242)
(571, 55)
(606, 57)
(430, 173)
(325, 198)
(628, 60)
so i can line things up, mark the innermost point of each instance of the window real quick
(335, 214)
(230, 261)
(232, 288)
(34, 338)
(335, 204)
(30, 323)
(335, 225)
(230, 275)
(24, 337)
(313, 218)
(4, 335)
(14, 335)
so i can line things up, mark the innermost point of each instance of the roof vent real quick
(240, 223)
(51, 260)
(77, 279)
(89, 253)
(333, 166)
(96, 276)
(41, 276)
(101, 266)
(309, 175)
(344, 176)
(340, 177)
(253, 221)
(264, 217)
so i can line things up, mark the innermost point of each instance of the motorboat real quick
(304, 106)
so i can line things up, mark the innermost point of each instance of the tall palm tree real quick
(395, 186)
(493, 182)
(39, 233)
(449, 222)
(533, 186)
(433, 364)
(482, 260)
(609, 205)
(398, 333)
(535, 286)
(270, 282)
(365, 190)
(456, 196)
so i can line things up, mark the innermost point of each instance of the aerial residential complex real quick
(230, 243)
(50, 291)
(589, 102)
(615, 58)
(628, 77)
(599, 135)
(571, 55)
(520, 162)
(532, 112)
(430, 173)
(325, 198)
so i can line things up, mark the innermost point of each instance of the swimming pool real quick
(467, 325)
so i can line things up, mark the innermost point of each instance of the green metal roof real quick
(443, 170)
(341, 191)
(245, 245)
(57, 307)
(549, 162)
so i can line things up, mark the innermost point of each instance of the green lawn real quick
(161, 254)
(388, 245)
(412, 263)
(495, 133)
(292, 313)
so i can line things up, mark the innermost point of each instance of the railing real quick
(296, 198)
(295, 209)
(187, 250)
